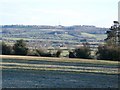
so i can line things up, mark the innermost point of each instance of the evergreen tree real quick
(111, 51)
(113, 35)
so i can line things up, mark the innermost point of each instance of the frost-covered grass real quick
(45, 72)
(59, 64)
(17, 78)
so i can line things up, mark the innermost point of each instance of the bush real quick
(43, 52)
(20, 48)
(32, 53)
(81, 52)
(108, 53)
(71, 54)
(58, 53)
(6, 49)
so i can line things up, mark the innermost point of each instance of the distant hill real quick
(83, 28)
(45, 35)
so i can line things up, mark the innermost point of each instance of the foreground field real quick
(42, 72)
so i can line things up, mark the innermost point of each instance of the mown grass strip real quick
(59, 69)
(60, 59)
(59, 66)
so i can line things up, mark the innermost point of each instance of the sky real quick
(100, 13)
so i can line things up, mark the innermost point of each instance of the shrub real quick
(81, 52)
(58, 53)
(6, 49)
(20, 48)
(71, 54)
(32, 53)
(43, 52)
(108, 53)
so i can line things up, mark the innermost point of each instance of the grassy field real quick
(97, 36)
(46, 72)
(64, 64)
(60, 59)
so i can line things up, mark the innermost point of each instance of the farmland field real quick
(45, 72)
(53, 36)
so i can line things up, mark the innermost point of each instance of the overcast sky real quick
(100, 13)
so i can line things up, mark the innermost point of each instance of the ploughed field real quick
(46, 72)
